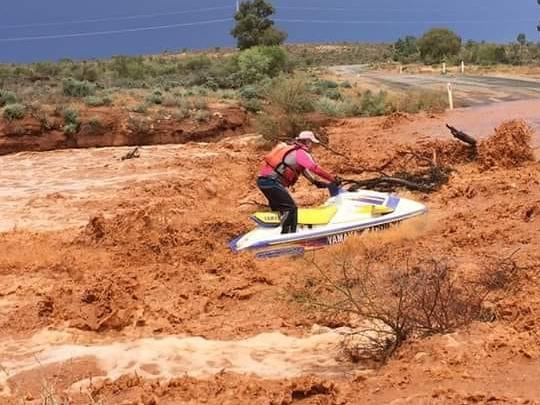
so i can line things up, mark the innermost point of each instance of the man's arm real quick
(305, 160)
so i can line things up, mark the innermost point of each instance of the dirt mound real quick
(143, 231)
(160, 233)
(224, 388)
(508, 147)
(107, 303)
(395, 119)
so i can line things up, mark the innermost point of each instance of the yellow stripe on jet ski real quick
(306, 216)
(374, 210)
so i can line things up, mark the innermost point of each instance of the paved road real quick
(470, 90)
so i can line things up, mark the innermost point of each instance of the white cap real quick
(307, 135)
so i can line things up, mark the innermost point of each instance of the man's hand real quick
(320, 184)
(338, 180)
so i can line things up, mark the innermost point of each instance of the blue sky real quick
(159, 25)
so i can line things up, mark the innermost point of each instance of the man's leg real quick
(280, 200)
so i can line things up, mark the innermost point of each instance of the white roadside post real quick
(444, 68)
(450, 96)
(400, 69)
(462, 67)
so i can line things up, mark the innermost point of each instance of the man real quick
(281, 169)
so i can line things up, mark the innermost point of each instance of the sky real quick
(36, 30)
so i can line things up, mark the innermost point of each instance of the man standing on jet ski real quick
(281, 169)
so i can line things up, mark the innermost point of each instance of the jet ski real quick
(344, 214)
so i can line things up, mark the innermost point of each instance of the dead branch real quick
(462, 136)
(426, 182)
(132, 154)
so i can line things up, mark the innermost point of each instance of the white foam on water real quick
(268, 355)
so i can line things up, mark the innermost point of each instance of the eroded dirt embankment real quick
(134, 250)
(110, 126)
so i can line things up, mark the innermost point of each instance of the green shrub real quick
(197, 63)
(283, 126)
(70, 116)
(141, 108)
(260, 62)
(94, 101)
(71, 121)
(71, 129)
(171, 101)
(337, 108)
(7, 97)
(269, 127)
(437, 44)
(199, 103)
(211, 84)
(227, 94)
(182, 113)
(252, 105)
(290, 94)
(155, 98)
(328, 106)
(406, 50)
(75, 88)
(420, 100)
(14, 112)
(333, 94)
(249, 92)
(345, 85)
(374, 104)
(326, 88)
(87, 72)
(47, 68)
(95, 125)
(128, 67)
(325, 85)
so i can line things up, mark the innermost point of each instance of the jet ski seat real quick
(306, 216)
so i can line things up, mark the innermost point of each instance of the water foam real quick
(268, 355)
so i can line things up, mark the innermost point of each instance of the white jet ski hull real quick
(268, 242)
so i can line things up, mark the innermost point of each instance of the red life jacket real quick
(276, 160)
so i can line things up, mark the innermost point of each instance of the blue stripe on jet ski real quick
(349, 228)
(392, 202)
(369, 200)
(233, 244)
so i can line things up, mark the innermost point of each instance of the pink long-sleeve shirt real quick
(299, 160)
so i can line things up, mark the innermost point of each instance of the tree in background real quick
(438, 44)
(522, 39)
(254, 27)
(406, 49)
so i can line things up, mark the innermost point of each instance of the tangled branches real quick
(396, 302)
(427, 179)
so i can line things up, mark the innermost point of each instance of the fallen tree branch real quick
(132, 154)
(462, 136)
(388, 183)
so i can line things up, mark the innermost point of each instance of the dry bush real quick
(285, 126)
(431, 101)
(395, 299)
(510, 146)
(290, 94)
